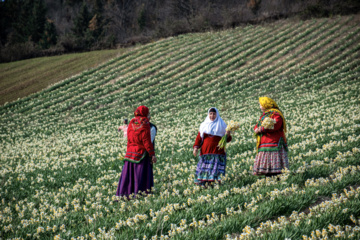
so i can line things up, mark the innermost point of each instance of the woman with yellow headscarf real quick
(271, 144)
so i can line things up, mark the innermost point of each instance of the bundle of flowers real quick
(232, 126)
(268, 123)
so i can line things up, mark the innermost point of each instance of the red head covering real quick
(141, 111)
(140, 120)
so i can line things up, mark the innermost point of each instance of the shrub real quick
(18, 51)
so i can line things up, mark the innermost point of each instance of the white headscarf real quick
(216, 127)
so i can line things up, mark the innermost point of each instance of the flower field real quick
(61, 152)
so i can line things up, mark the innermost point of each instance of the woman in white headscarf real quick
(212, 159)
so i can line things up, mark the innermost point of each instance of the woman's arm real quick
(257, 129)
(229, 137)
(152, 133)
(146, 137)
(197, 144)
(277, 125)
(198, 141)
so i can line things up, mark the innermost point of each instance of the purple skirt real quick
(135, 177)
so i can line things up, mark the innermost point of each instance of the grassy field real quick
(61, 154)
(21, 78)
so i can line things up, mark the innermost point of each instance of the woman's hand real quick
(153, 159)
(257, 130)
(228, 133)
(195, 152)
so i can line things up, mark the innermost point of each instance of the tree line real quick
(32, 28)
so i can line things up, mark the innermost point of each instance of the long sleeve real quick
(209, 144)
(198, 141)
(277, 125)
(229, 138)
(273, 139)
(146, 136)
(256, 125)
(262, 129)
(152, 133)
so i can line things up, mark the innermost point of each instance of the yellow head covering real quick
(267, 103)
(271, 105)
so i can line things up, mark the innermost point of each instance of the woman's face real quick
(262, 108)
(212, 116)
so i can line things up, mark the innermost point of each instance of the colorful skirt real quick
(271, 163)
(135, 178)
(210, 168)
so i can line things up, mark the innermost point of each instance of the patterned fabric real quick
(139, 142)
(273, 147)
(271, 162)
(141, 111)
(271, 106)
(209, 144)
(271, 134)
(272, 111)
(140, 120)
(269, 113)
(210, 168)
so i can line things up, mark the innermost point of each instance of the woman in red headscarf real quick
(137, 173)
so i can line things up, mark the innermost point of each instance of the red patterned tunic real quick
(272, 139)
(271, 158)
(139, 142)
(209, 145)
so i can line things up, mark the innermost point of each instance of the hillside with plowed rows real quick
(61, 154)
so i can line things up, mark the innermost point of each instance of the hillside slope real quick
(60, 151)
(22, 78)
